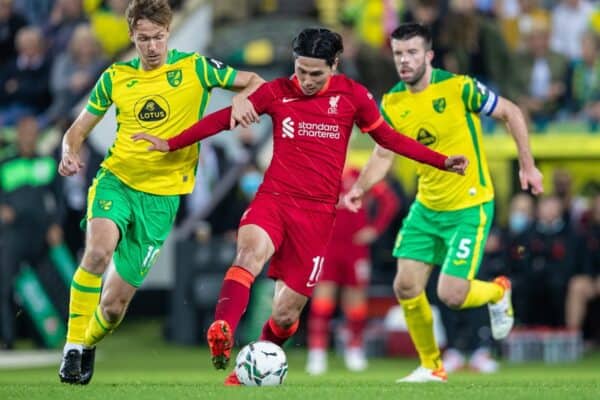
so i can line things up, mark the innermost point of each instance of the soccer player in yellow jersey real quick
(449, 222)
(133, 200)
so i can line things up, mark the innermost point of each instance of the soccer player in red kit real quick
(291, 217)
(348, 267)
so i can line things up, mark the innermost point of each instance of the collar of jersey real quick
(323, 89)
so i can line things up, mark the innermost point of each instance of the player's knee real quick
(113, 310)
(96, 258)
(284, 319)
(452, 297)
(250, 258)
(405, 287)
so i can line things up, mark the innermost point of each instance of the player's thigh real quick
(150, 225)
(466, 241)
(325, 290)
(300, 259)
(107, 216)
(260, 233)
(420, 238)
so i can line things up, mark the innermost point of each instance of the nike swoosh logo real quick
(131, 83)
(310, 284)
(459, 262)
(289, 99)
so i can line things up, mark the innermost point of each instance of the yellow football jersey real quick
(445, 117)
(162, 102)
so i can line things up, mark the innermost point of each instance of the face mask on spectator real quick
(249, 183)
(518, 222)
(549, 228)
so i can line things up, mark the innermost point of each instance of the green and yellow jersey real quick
(445, 117)
(162, 102)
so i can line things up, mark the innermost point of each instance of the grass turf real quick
(135, 363)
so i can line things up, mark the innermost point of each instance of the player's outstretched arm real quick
(529, 175)
(206, 127)
(70, 162)
(400, 144)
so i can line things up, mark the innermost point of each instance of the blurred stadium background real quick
(542, 54)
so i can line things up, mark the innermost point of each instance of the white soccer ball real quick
(261, 363)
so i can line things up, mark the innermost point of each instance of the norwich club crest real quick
(105, 204)
(174, 77)
(439, 105)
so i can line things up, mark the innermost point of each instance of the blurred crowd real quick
(543, 54)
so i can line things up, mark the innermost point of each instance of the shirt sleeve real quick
(263, 97)
(477, 97)
(367, 114)
(214, 73)
(100, 99)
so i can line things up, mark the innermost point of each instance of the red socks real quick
(234, 296)
(276, 334)
(356, 320)
(319, 316)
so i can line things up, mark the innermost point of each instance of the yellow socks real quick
(481, 293)
(98, 327)
(85, 295)
(419, 320)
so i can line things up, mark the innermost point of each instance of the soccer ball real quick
(261, 363)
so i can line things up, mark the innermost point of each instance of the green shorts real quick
(453, 239)
(144, 221)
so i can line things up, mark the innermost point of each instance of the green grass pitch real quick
(135, 363)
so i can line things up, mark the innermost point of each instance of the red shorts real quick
(300, 236)
(347, 266)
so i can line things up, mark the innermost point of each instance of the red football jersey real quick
(310, 136)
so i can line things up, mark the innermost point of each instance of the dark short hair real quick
(410, 30)
(318, 43)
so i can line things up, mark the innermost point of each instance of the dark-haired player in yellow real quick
(133, 200)
(449, 222)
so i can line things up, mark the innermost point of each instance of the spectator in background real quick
(573, 206)
(547, 261)
(10, 23)
(542, 74)
(35, 11)
(521, 20)
(74, 72)
(109, 24)
(584, 286)
(370, 66)
(24, 80)
(65, 17)
(31, 208)
(476, 47)
(585, 81)
(570, 19)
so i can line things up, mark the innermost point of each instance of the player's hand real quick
(70, 164)
(242, 112)
(365, 236)
(457, 164)
(531, 178)
(353, 199)
(157, 144)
